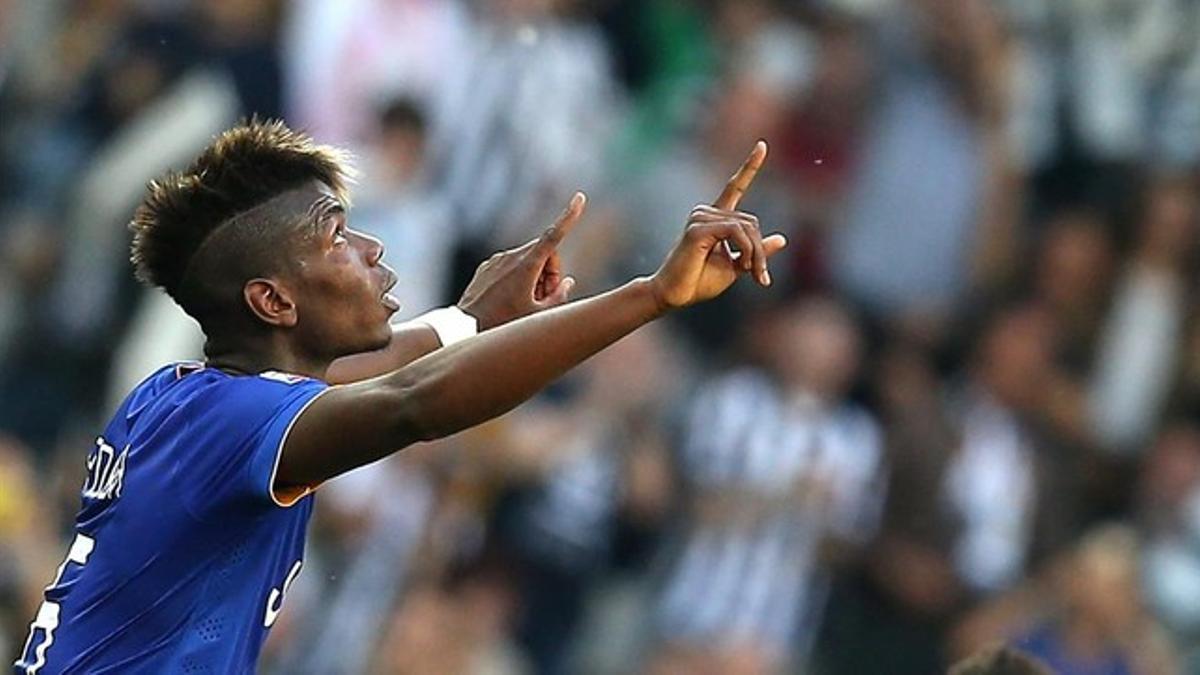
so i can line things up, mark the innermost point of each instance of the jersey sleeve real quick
(264, 459)
(244, 430)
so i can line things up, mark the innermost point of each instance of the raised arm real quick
(481, 378)
(506, 286)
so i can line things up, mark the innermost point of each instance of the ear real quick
(270, 302)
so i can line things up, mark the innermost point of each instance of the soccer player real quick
(193, 514)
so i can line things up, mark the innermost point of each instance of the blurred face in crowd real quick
(842, 80)
(133, 83)
(1015, 356)
(1103, 588)
(1172, 470)
(636, 373)
(814, 346)
(31, 253)
(739, 19)
(940, 21)
(423, 635)
(234, 18)
(1168, 231)
(403, 150)
(746, 111)
(1075, 261)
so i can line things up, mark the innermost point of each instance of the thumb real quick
(774, 244)
(561, 294)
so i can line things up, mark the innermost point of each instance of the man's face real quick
(341, 287)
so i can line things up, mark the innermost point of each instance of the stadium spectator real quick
(759, 83)
(1141, 339)
(1101, 627)
(914, 213)
(1072, 278)
(1084, 613)
(535, 102)
(767, 494)
(602, 474)
(344, 60)
(971, 492)
(1168, 514)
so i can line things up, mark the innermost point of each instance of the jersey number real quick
(275, 602)
(33, 656)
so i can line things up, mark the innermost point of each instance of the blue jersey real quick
(182, 554)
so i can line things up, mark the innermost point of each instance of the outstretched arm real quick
(481, 378)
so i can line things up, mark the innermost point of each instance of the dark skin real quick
(328, 319)
(499, 292)
(510, 284)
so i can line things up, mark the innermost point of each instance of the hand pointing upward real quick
(703, 264)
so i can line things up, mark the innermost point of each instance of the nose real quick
(372, 248)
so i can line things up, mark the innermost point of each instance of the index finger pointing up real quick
(739, 183)
(554, 234)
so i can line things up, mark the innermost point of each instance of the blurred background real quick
(966, 412)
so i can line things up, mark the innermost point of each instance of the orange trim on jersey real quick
(291, 495)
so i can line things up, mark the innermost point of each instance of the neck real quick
(254, 361)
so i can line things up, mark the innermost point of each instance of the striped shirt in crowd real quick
(770, 476)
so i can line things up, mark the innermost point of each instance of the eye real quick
(339, 233)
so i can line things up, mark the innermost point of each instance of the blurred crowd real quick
(965, 413)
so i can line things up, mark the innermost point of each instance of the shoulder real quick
(254, 396)
(153, 388)
(207, 396)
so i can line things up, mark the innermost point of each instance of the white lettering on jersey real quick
(286, 378)
(33, 656)
(106, 472)
(275, 602)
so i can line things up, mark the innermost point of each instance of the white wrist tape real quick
(451, 324)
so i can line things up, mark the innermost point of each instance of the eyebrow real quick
(323, 205)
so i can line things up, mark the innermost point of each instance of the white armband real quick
(451, 324)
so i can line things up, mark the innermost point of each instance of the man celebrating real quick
(193, 514)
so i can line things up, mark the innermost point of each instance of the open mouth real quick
(390, 301)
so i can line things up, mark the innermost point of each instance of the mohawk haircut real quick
(243, 168)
